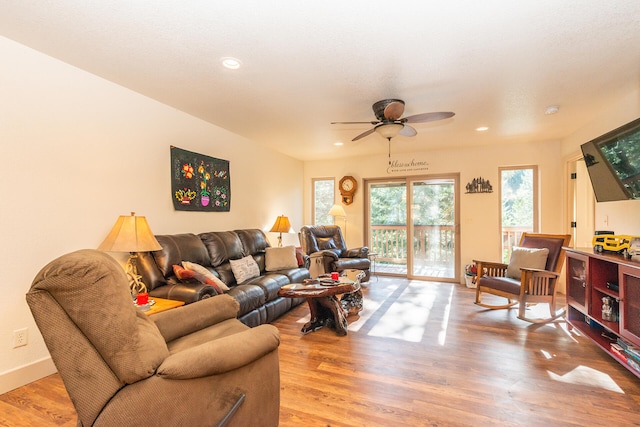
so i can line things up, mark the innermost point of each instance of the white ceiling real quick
(496, 63)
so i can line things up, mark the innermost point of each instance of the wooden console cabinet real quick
(593, 276)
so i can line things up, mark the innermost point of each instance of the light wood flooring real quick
(420, 354)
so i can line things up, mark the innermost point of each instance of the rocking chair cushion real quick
(503, 284)
(526, 258)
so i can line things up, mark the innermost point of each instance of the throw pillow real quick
(244, 268)
(526, 258)
(280, 258)
(299, 256)
(203, 270)
(190, 276)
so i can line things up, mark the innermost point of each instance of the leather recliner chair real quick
(326, 242)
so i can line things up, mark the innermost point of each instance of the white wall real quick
(78, 151)
(479, 213)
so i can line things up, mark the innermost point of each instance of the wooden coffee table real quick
(325, 307)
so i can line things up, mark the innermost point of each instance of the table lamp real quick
(282, 225)
(338, 210)
(131, 234)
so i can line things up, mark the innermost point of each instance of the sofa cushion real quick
(253, 240)
(177, 248)
(249, 297)
(244, 268)
(280, 258)
(270, 284)
(296, 275)
(222, 246)
(205, 272)
(526, 258)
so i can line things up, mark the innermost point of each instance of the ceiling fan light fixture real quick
(389, 130)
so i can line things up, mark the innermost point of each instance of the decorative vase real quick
(204, 200)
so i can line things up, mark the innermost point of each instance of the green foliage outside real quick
(324, 199)
(433, 204)
(517, 204)
(517, 198)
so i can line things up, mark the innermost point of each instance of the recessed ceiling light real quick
(230, 63)
(338, 143)
(552, 109)
(482, 128)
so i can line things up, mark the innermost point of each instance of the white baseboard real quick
(24, 375)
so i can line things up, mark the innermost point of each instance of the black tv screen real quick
(613, 163)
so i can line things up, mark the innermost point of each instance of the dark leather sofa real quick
(258, 297)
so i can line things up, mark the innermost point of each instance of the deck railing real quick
(430, 242)
(434, 243)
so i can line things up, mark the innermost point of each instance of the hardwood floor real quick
(420, 354)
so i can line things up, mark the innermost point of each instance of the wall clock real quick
(348, 186)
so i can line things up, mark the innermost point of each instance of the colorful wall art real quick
(199, 182)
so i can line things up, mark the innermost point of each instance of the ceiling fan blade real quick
(355, 123)
(428, 117)
(394, 110)
(363, 134)
(407, 131)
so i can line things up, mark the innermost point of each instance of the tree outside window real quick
(518, 190)
(323, 199)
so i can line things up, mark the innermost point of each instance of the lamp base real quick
(135, 280)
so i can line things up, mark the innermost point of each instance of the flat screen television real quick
(613, 163)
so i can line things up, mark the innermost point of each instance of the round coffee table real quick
(325, 307)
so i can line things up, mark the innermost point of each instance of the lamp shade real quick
(130, 234)
(337, 210)
(282, 225)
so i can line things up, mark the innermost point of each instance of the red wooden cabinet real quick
(603, 300)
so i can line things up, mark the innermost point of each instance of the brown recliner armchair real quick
(325, 242)
(193, 365)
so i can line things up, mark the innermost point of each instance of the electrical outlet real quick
(20, 337)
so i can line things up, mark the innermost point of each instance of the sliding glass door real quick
(412, 226)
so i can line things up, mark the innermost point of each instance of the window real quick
(519, 205)
(323, 199)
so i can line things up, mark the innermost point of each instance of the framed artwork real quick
(199, 182)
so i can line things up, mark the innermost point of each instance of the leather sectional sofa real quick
(258, 296)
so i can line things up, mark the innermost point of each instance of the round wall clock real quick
(348, 186)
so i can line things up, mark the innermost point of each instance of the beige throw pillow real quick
(205, 272)
(244, 268)
(280, 258)
(526, 258)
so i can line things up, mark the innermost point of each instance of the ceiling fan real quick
(390, 124)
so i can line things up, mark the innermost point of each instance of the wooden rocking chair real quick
(531, 285)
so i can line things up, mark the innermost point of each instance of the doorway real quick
(581, 204)
(412, 226)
